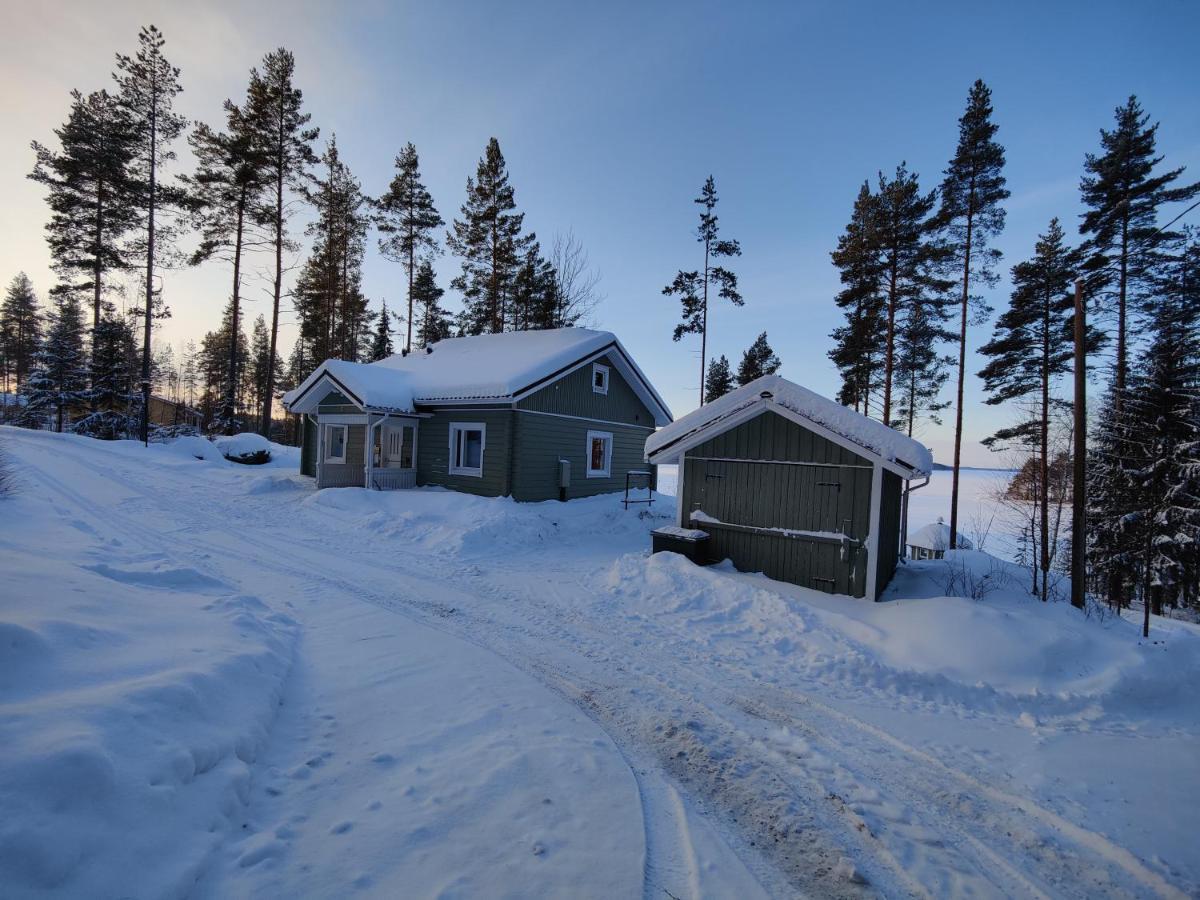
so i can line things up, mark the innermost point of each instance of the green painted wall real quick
(889, 530)
(354, 472)
(308, 447)
(747, 477)
(540, 440)
(433, 450)
(335, 403)
(573, 395)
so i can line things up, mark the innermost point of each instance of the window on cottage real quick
(599, 451)
(335, 443)
(467, 441)
(599, 378)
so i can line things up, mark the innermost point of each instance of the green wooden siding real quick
(889, 530)
(771, 473)
(308, 447)
(354, 472)
(433, 450)
(336, 403)
(572, 395)
(540, 441)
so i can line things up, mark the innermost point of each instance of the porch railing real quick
(393, 479)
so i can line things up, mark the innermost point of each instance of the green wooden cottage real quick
(788, 483)
(534, 415)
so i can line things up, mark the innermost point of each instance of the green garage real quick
(791, 484)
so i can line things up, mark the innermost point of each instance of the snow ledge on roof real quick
(869, 434)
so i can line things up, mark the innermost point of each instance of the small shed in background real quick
(932, 541)
(791, 484)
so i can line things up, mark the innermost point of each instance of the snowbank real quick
(135, 693)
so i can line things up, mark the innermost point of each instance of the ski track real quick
(791, 783)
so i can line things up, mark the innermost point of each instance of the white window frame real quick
(606, 472)
(599, 367)
(457, 428)
(328, 443)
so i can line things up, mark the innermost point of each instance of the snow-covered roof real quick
(484, 367)
(772, 391)
(936, 536)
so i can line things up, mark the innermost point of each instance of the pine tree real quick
(89, 193)
(1030, 350)
(757, 361)
(275, 114)
(1144, 468)
(189, 373)
(859, 344)
(433, 321)
(381, 340)
(112, 395)
(909, 259)
(719, 380)
(1125, 249)
(920, 369)
(148, 85)
(534, 303)
(20, 329)
(970, 214)
(407, 219)
(59, 379)
(328, 295)
(692, 287)
(488, 240)
(228, 192)
(216, 372)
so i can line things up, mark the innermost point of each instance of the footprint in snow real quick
(341, 827)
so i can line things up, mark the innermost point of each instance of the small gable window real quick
(599, 378)
(599, 454)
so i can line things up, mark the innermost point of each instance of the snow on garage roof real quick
(774, 391)
(480, 367)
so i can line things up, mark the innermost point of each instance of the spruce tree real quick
(407, 221)
(20, 329)
(1125, 248)
(58, 382)
(228, 190)
(275, 114)
(433, 321)
(112, 395)
(920, 369)
(90, 193)
(148, 85)
(719, 380)
(216, 372)
(381, 339)
(328, 295)
(859, 343)
(534, 303)
(758, 360)
(488, 240)
(1030, 350)
(189, 373)
(909, 259)
(692, 287)
(260, 365)
(970, 215)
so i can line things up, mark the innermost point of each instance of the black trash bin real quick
(689, 542)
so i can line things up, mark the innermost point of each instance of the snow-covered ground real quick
(216, 681)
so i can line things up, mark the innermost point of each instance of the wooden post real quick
(1079, 504)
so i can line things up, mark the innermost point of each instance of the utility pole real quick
(1079, 501)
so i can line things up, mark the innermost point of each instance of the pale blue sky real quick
(611, 116)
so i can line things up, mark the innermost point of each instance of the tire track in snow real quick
(525, 642)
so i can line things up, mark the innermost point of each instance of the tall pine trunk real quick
(1044, 463)
(231, 392)
(889, 353)
(269, 385)
(704, 324)
(149, 269)
(1119, 394)
(962, 367)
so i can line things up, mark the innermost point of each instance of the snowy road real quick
(757, 748)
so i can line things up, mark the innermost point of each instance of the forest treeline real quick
(916, 263)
